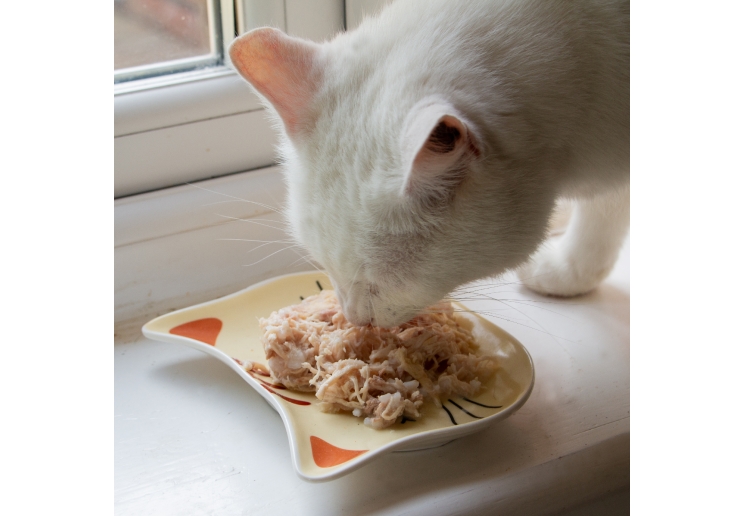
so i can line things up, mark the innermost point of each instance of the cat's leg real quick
(584, 256)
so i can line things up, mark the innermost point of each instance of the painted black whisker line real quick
(481, 404)
(466, 411)
(319, 285)
(450, 415)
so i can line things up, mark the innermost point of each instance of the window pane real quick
(154, 31)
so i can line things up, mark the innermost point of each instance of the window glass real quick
(157, 36)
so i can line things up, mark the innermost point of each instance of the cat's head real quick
(388, 187)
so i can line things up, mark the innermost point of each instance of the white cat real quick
(427, 148)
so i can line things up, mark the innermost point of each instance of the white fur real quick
(541, 89)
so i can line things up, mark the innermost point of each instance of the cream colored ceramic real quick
(326, 446)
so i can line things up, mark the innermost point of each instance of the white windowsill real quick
(189, 433)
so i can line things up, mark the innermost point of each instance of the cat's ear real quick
(441, 146)
(283, 69)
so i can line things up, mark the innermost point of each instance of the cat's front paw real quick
(550, 273)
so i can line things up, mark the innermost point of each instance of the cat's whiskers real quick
(270, 255)
(237, 199)
(307, 259)
(497, 284)
(491, 313)
(298, 260)
(528, 302)
(259, 247)
(262, 205)
(278, 225)
(540, 325)
(482, 293)
(256, 221)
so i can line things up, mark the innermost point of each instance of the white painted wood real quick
(357, 10)
(171, 249)
(189, 152)
(227, 27)
(207, 94)
(317, 20)
(191, 437)
(189, 207)
(260, 13)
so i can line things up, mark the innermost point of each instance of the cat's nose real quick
(355, 309)
(354, 305)
(357, 319)
(355, 314)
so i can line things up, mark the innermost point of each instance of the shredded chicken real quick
(382, 374)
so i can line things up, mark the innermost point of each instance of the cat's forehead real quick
(353, 139)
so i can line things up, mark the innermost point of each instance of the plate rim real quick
(363, 459)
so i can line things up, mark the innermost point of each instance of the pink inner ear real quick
(282, 69)
(444, 145)
(440, 146)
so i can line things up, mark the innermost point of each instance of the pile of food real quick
(383, 374)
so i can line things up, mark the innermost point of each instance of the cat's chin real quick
(390, 317)
(391, 322)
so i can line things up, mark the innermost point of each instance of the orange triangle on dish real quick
(326, 455)
(203, 330)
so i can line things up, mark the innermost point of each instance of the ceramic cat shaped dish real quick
(325, 446)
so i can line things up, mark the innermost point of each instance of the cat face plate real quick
(327, 446)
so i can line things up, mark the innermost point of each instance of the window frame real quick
(178, 127)
(221, 20)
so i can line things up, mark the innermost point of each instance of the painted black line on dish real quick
(467, 412)
(319, 285)
(481, 404)
(450, 415)
(302, 298)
